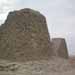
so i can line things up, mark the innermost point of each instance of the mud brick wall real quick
(24, 36)
(59, 47)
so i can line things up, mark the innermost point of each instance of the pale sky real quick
(60, 15)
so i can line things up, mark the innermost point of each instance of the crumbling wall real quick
(59, 47)
(24, 36)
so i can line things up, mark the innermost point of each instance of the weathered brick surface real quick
(59, 47)
(24, 36)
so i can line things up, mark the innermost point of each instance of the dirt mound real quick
(54, 66)
(24, 36)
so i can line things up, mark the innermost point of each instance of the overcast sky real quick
(60, 15)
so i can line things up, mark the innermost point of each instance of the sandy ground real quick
(54, 66)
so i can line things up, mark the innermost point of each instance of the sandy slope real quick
(55, 66)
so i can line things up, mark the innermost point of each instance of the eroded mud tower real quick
(24, 36)
(60, 47)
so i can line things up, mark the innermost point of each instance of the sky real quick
(60, 16)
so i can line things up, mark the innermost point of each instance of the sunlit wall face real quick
(60, 15)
